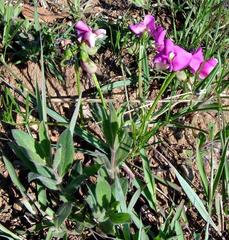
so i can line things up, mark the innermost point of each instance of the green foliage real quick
(123, 171)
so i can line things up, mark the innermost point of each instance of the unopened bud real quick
(181, 75)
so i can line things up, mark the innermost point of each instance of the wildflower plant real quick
(127, 186)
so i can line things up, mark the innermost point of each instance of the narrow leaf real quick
(8, 232)
(62, 213)
(194, 198)
(67, 152)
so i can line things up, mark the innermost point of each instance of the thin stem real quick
(96, 82)
(140, 81)
(113, 164)
(78, 89)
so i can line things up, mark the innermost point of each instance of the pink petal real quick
(138, 29)
(100, 33)
(159, 38)
(160, 62)
(82, 27)
(207, 67)
(90, 38)
(149, 22)
(196, 61)
(169, 47)
(181, 59)
(80, 38)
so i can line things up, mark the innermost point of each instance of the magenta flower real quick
(196, 61)
(159, 38)
(206, 67)
(148, 24)
(86, 34)
(173, 57)
(197, 64)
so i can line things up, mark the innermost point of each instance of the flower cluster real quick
(87, 38)
(171, 56)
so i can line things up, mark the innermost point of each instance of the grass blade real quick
(194, 198)
(149, 179)
(8, 232)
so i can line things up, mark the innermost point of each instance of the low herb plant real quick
(103, 197)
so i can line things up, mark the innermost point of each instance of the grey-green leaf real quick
(194, 198)
(48, 182)
(120, 218)
(67, 152)
(103, 192)
(62, 213)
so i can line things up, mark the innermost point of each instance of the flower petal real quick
(159, 38)
(169, 47)
(90, 38)
(82, 27)
(181, 59)
(149, 22)
(207, 67)
(196, 61)
(138, 29)
(160, 62)
(100, 33)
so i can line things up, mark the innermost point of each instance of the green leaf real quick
(201, 166)
(67, 152)
(24, 140)
(57, 157)
(48, 182)
(110, 126)
(28, 147)
(194, 198)
(18, 184)
(120, 218)
(44, 143)
(75, 115)
(179, 232)
(62, 213)
(219, 172)
(119, 195)
(32, 156)
(75, 183)
(8, 232)
(13, 175)
(103, 192)
(124, 147)
(149, 179)
(133, 200)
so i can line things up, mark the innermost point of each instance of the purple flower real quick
(206, 67)
(159, 38)
(173, 57)
(197, 64)
(86, 34)
(148, 24)
(196, 61)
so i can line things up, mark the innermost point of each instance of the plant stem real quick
(113, 163)
(96, 82)
(140, 81)
(78, 88)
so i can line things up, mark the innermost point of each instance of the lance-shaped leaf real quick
(67, 152)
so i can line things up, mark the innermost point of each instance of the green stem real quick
(96, 82)
(113, 164)
(78, 88)
(140, 81)
(162, 90)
